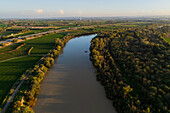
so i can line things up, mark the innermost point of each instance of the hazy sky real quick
(89, 8)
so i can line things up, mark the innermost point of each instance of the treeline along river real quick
(70, 85)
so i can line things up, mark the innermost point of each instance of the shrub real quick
(29, 52)
(55, 53)
(43, 68)
(48, 61)
(15, 40)
(24, 38)
(58, 48)
(26, 110)
(59, 42)
(3, 44)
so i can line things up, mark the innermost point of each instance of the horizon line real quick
(146, 16)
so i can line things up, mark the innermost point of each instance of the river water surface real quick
(70, 86)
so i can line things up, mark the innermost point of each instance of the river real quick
(70, 86)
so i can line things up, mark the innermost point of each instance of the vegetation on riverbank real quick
(11, 70)
(26, 96)
(43, 44)
(47, 62)
(133, 65)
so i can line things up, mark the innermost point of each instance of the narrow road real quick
(13, 95)
(53, 31)
(12, 58)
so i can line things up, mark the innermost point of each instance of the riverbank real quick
(18, 99)
(70, 85)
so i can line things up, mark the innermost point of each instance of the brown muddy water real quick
(70, 86)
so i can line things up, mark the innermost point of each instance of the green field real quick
(32, 32)
(2, 25)
(11, 70)
(167, 39)
(41, 46)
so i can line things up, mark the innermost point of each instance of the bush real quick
(58, 48)
(43, 68)
(3, 44)
(24, 38)
(59, 42)
(15, 40)
(27, 110)
(24, 110)
(29, 52)
(48, 62)
(55, 53)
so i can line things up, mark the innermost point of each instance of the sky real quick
(82, 8)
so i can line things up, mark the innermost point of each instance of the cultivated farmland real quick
(11, 70)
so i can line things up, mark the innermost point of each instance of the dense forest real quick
(133, 64)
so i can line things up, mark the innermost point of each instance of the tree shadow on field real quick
(40, 44)
(5, 86)
(17, 63)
